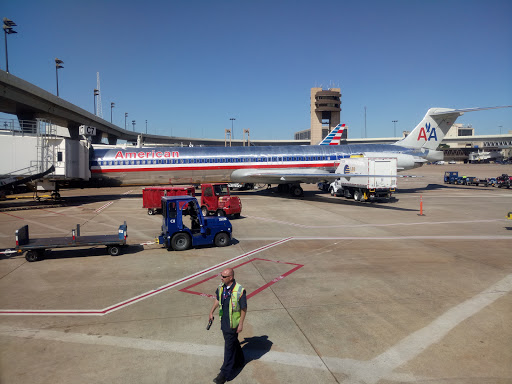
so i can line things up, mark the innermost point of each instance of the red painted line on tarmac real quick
(55, 213)
(280, 277)
(8, 214)
(140, 297)
(298, 266)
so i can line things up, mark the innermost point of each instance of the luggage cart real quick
(35, 248)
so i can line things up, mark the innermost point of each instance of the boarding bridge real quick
(29, 148)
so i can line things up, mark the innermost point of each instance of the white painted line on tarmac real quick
(103, 207)
(356, 371)
(382, 366)
(133, 300)
(298, 360)
(419, 237)
(375, 225)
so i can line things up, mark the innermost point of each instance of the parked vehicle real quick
(241, 186)
(503, 181)
(451, 177)
(379, 180)
(36, 247)
(216, 200)
(491, 181)
(323, 186)
(201, 230)
(152, 196)
(471, 180)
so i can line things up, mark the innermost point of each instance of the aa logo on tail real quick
(429, 130)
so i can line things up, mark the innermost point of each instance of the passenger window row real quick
(273, 159)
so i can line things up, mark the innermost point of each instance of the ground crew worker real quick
(231, 297)
(192, 211)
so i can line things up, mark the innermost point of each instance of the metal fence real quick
(23, 127)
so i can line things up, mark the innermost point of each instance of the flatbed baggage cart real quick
(35, 248)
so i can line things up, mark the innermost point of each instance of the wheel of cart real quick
(181, 241)
(114, 250)
(221, 239)
(34, 255)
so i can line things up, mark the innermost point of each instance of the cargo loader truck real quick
(378, 180)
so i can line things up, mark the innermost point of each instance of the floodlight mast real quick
(8, 24)
(57, 66)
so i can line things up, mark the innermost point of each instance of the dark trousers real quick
(233, 355)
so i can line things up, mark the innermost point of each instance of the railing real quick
(18, 127)
(44, 131)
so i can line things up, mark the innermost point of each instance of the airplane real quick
(287, 166)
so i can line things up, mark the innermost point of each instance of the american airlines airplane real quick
(287, 166)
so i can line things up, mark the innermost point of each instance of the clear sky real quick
(187, 67)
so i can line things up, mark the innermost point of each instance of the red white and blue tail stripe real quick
(334, 137)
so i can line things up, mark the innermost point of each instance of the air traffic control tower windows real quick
(325, 112)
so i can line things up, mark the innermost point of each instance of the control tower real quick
(325, 112)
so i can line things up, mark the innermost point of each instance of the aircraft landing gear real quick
(283, 188)
(293, 189)
(296, 190)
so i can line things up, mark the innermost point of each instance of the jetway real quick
(33, 147)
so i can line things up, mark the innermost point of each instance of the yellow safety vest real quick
(234, 304)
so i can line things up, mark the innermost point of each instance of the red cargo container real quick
(152, 196)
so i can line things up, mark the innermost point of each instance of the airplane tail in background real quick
(334, 137)
(429, 133)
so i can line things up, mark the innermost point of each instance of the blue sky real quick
(187, 67)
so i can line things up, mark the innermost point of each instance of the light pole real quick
(112, 105)
(365, 122)
(8, 24)
(96, 93)
(133, 123)
(57, 66)
(146, 127)
(394, 129)
(232, 132)
(500, 126)
(125, 117)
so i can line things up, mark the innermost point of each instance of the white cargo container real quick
(379, 180)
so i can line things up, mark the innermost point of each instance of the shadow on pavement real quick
(255, 347)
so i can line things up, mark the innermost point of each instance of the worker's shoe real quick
(220, 379)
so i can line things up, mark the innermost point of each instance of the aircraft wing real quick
(280, 176)
(273, 176)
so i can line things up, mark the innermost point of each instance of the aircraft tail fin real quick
(429, 133)
(334, 137)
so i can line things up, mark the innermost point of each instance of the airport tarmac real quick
(340, 291)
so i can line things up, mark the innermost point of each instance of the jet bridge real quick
(31, 148)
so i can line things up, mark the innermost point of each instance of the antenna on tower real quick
(99, 109)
